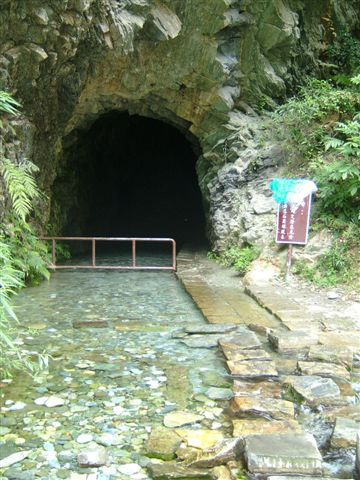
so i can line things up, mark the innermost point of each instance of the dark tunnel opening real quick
(134, 176)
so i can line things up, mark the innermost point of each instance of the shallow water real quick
(118, 380)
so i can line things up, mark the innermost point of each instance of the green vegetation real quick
(239, 258)
(22, 257)
(321, 128)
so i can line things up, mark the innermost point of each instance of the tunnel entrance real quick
(133, 176)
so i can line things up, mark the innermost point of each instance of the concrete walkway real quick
(295, 363)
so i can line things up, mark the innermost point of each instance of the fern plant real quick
(20, 185)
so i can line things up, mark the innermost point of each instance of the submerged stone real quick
(219, 393)
(283, 453)
(162, 444)
(210, 328)
(14, 458)
(171, 470)
(94, 456)
(222, 453)
(202, 439)
(180, 418)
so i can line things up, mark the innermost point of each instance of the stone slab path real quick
(295, 365)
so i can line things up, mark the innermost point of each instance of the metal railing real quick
(93, 241)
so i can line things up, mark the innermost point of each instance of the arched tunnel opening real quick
(132, 176)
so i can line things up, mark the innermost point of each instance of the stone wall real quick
(200, 65)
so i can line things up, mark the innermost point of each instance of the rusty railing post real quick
(53, 254)
(93, 241)
(134, 253)
(174, 255)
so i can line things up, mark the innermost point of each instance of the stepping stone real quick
(314, 390)
(201, 341)
(172, 470)
(283, 453)
(223, 452)
(261, 426)
(180, 418)
(292, 342)
(245, 355)
(322, 369)
(245, 339)
(210, 328)
(345, 433)
(261, 389)
(252, 369)
(342, 339)
(203, 439)
(219, 393)
(351, 412)
(331, 354)
(269, 408)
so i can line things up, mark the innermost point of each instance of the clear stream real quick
(117, 381)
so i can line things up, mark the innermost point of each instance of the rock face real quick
(196, 65)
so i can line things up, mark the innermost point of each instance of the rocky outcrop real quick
(196, 65)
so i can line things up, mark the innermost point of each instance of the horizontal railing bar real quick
(112, 239)
(69, 267)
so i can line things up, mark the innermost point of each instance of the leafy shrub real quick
(345, 52)
(240, 258)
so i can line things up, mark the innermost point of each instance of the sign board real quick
(293, 226)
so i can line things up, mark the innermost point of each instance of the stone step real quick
(244, 340)
(270, 408)
(323, 369)
(331, 354)
(345, 433)
(314, 390)
(260, 389)
(252, 369)
(292, 342)
(262, 426)
(287, 453)
(246, 355)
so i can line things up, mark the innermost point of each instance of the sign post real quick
(293, 227)
(293, 217)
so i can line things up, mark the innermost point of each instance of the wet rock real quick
(214, 379)
(283, 453)
(252, 369)
(90, 323)
(246, 355)
(345, 433)
(180, 418)
(85, 438)
(210, 328)
(261, 389)
(331, 354)
(14, 458)
(223, 452)
(129, 469)
(351, 412)
(323, 369)
(262, 426)
(50, 402)
(95, 456)
(222, 473)
(292, 342)
(245, 339)
(202, 439)
(170, 470)
(162, 444)
(201, 341)
(219, 393)
(262, 407)
(314, 390)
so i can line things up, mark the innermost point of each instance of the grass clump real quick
(237, 257)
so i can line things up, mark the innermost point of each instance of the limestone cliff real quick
(199, 65)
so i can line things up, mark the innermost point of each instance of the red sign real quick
(293, 224)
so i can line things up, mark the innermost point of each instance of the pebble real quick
(85, 438)
(333, 295)
(129, 469)
(17, 406)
